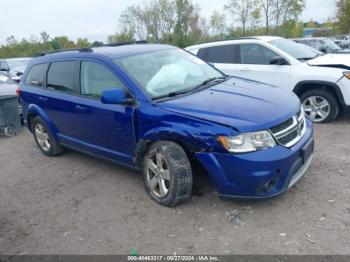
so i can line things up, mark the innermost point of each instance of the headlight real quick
(347, 75)
(247, 142)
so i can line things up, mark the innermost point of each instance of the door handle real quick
(44, 99)
(245, 70)
(81, 108)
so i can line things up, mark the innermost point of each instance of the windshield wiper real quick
(209, 80)
(172, 94)
(306, 58)
(185, 91)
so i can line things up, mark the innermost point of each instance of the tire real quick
(174, 173)
(54, 148)
(320, 97)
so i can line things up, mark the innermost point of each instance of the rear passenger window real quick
(36, 75)
(225, 54)
(95, 77)
(61, 76)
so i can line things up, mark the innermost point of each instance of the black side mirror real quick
(323, 50)
(277, 60)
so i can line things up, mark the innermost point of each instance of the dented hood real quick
(242, 104)
(332, 60)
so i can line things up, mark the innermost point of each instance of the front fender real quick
(194, 135)
(190, 143)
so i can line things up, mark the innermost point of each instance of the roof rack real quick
(127, 43)
(85, 49)
(89, 49)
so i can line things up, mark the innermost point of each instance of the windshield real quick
(290, 47)
(164, 72)
(329, 44)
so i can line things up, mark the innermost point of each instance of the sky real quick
(96, 19)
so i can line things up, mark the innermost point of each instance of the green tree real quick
(343, 16)
(83, 43)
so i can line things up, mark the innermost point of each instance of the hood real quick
(8, 90)
(332, 60)
(245, 105)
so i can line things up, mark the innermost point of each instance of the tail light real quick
(18, 91)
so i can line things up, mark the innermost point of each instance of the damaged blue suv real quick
(165, 111)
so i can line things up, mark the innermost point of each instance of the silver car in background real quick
(14, 67)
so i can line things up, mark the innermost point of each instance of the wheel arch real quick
(333, 88)
(185, 140)
(34, 111)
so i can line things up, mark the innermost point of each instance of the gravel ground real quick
(77, 204)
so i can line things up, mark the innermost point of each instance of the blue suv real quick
(166, 112)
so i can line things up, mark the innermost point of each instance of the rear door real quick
(223, 57)
(255, 64)
(58, 99)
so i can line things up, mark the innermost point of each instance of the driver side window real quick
(256, 54)
(94, 78)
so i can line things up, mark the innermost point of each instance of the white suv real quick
(321, 81)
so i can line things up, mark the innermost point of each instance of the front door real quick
(255, 64)
(105, 128)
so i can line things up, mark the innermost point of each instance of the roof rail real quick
(89, 49)
(127, 43)
(85, 49)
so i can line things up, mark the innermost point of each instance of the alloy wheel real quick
(42, 137)
(316, 108)
(158, 175)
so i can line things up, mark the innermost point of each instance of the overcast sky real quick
(96, 19)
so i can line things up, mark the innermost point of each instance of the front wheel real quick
(167, 173)
(320, 106)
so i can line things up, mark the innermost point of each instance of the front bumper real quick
(344, 85)
(261, 174)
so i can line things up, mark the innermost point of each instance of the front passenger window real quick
(94, 78)
(256, 54)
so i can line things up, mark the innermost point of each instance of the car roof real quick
(234, 41)
(113, 52)
(265, 38)
(311, 38)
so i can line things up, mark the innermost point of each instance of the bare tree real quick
(266, 6)
(217, 22)
(241, 9)
(284, 10)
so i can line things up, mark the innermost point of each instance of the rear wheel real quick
(43, 138)
(320, 106)
(167, 173)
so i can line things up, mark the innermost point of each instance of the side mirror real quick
(115, 96)
(323, 50)
(277, 60)
(4, 69)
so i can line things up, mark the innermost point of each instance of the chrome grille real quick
(291, 131)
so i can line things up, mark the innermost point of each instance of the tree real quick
(45, 37)
(83, 43)
(167, 21)
(266, 6)
(97, 44)
(343, 16)
(311, 24)
(217, 23)
(241, 9)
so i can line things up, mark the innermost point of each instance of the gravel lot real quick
(77, 204)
